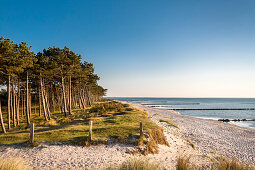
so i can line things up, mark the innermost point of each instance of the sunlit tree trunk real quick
(64, 96)
(40, 102)
(9, 102)
(70, 95)
(18, 103)
(1, 119)
(14, 104)
(43, 100)
(27, 101)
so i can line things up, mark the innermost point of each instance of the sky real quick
(147, 48)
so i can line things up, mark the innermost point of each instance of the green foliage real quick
(118, 125)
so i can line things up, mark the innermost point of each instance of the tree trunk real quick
(70, 95)
(47, 104)
(64, 96)
(1, 119)
(43, 100)
(27, 100)
(17, 102)
(40, 102)
(9, 102)
(14, 104)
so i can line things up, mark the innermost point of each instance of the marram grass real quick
(183, 163)
(137, 164)
(13, 164)
(169, 122)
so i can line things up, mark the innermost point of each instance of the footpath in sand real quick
(211, 138)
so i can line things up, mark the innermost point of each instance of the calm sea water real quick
(204, 103)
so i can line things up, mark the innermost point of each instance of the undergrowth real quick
(112, 122)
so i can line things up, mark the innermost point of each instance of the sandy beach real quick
(210, 138)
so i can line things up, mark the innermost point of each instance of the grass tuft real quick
(51, 122)
(183, 163)
(137, 164)
(234, 164)
(13, 164)
(170, 123)
(191, 144)
(156, 136)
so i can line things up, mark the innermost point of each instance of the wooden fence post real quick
(32, 128)
(90, 130)
(141, 129)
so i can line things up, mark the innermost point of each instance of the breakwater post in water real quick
(235, 120)
(218, 109)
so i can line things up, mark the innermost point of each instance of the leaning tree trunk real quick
(27, 100)
(1, 119)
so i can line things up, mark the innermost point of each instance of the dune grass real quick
(191, 144)
(137, 164)
(169, 122)
(13, 164)
(112, 121)
(183, 163)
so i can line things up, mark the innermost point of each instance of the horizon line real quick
(176, 97)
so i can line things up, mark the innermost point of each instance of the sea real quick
(222, 108)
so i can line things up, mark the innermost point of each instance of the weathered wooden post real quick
(90, 130)
(141, 129)
(32, 128)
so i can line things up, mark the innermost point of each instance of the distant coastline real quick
(206, 108)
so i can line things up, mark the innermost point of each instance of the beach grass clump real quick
(13, 164)
(156, 136)
(137, 164)
(169, 122)
(183, 163)
(234, 164)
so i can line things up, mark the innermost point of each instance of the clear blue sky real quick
(158, 48)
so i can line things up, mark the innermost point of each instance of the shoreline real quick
(209, 136)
